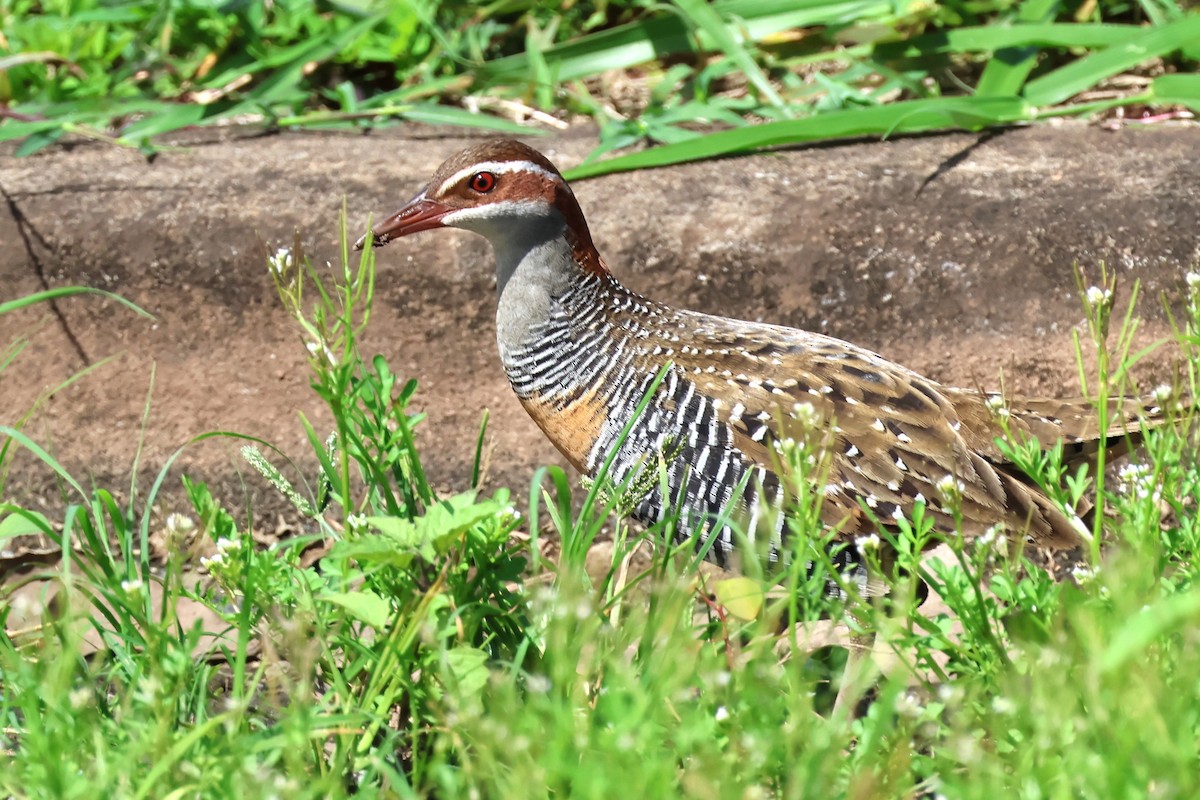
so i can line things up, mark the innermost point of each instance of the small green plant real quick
(129, 72)
(412, 644)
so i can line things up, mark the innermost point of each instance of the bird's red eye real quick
(483, 182)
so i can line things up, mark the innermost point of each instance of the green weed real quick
(127, 72)
(429, 650)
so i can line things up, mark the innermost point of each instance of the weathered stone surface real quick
(950, 254)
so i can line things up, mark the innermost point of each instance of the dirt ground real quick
(950, 254)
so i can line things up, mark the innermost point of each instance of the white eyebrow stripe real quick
(499, 168)
(496, 209)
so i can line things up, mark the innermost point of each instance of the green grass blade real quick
(1153, 625)
(996, 38)
(47, 459)
(172, 117)
(1067, 81)
(1183, 90)
(39, 140)
(287, 77)
(431, 114)
(913, 116)
(706, 19)
(69, 291)
(1009, 68)
(636, 43)
(480, 443)
(19, 129)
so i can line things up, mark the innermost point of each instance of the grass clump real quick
(128, 71)
(413, 644)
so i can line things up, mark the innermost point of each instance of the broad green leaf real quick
(111, 15)
(996, 38)
(912, 116)
(441, 524)
(23, 522)
(1009, 68)
(1181, 90)
(635, 43)
(1153, 624)
(39, 141)
(1077, 76)
(742, 597)
(18, 129)
(433, 114)
(468, 666)
(668, 134)
(172, 117)
(364, 606)
(374, 550)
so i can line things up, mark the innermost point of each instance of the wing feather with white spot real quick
(894, 439)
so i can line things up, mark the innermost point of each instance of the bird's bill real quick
(419, 214)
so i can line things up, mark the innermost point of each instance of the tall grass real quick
(431, 651)
(129, 71)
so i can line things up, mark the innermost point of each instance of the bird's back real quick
(736, 395)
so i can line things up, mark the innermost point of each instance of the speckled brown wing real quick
(1073, 422)
(895, 437)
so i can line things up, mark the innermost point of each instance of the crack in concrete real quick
(29, 234)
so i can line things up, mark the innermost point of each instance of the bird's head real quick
(502, 189)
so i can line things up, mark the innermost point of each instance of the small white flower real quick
(1193, 279)
(281, 261)
(213, 562)
(988, 537)
(1097, 296)
(1082, 573)
(995, 402)
(226, 545)
(1002, 705)
(722, 714)
(148, 688)
(1133, 473)
(949, 487)
(133, 586)
(180, 523)
(865, 543)
(805, 414)
(907, 705)
(321, 349)
(25, 606)
(948, 693)
(80, 698)
(1162, 393)
(1137, 480)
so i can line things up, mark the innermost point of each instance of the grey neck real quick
(534, 266)
(528, 282)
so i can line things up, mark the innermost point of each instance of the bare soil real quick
(953, 255)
